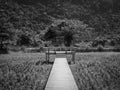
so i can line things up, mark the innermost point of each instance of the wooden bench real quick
(59, 50)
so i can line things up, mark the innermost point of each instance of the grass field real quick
(28, 71)
(22, 71)
(97, 71)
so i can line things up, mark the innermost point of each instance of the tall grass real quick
(97, 71)
(23, 72)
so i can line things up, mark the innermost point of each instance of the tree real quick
(68, 38)
(3, 42)
(50, 34)
(99, 41)
(24, 40)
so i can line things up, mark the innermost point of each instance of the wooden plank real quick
(61, 77)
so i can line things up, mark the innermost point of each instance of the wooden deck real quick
(61, 77)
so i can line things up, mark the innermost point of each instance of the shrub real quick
(24, 40)
(100, 48)
(68, 38)
(3, 50)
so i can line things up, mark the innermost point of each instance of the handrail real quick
(60, 50)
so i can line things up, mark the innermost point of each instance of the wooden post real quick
(54, 51)
(66, 51)
(48, 55)
(73, 56)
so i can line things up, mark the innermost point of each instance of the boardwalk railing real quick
(60, 50)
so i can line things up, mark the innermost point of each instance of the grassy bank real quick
(19, 71)
(97, 71)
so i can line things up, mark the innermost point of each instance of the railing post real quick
(54, 51)
(48, 55)
(73, 56)
(66, 51)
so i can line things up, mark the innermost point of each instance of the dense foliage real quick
(88, 19)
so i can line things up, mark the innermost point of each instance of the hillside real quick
(29, 20)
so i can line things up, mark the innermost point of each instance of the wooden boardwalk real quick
(61, 77)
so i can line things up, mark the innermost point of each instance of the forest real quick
(86, 23)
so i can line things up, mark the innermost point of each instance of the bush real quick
(3, 51)
(68, 38)
(116, 49)
(24, 40)
(15, 48)
(100, 48)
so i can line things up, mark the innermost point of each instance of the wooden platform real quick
(61, 77)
